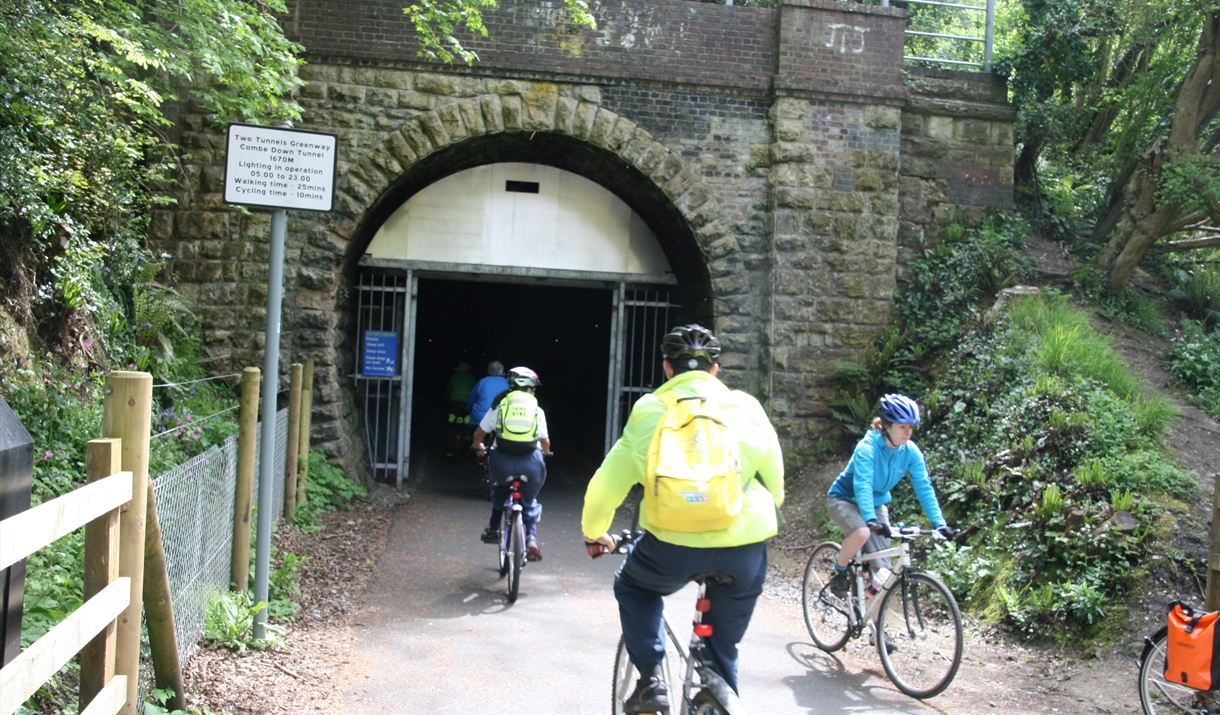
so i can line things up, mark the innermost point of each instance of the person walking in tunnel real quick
(485, 391)
(676, 545)
(521, 439)
(461, 382)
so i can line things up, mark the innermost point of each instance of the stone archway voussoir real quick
(472, 116)
(450, 116)
(435, 128)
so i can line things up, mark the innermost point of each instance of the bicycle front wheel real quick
(516, 555)
(706, 703)
(920, 641)
(1159, 696)
(624, 678)
(825, 614)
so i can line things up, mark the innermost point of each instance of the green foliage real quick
(1038, 434)
(328, 489)
(1195, 361)
(437, 23)
(1198, 294)
(83, 85)
(154, 704)
(283, 587)
(950, 281)
(229, 623)
(1134, 309)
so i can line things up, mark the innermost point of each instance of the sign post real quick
(280, 169)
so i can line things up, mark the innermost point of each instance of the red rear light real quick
(703, 605)
(516, 495)
(703, 630)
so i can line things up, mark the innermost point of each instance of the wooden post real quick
(127, 414)
(103, 457)
(159, 611)
(247, 435)
(1212, 602)
(294, 436)
(303, 442)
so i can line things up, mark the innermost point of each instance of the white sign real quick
(280, 168)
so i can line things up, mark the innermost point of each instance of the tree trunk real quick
(1149, 217)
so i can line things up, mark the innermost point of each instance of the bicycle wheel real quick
(1159, 696)
(705, 703)
(825, 614)
(516, 555)
(503, 554)
(920, 620)
(624, 678)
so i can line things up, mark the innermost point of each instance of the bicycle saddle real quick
(715, 578)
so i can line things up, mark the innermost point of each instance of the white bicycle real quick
(914, 619)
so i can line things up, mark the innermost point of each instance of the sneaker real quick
(490, 536)
(532, 552)
(838, 584)
(651, 695)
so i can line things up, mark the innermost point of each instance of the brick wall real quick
(663, 40)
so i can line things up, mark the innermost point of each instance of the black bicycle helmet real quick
(690, 341)
(899, 409)
(523, 377)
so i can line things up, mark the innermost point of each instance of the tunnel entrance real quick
(592, 342)
(523, 263)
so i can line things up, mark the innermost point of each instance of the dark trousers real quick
(654, 569)
(504, 466)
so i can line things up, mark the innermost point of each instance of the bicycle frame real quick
(902, 552)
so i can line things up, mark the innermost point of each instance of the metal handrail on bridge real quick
(987, 39)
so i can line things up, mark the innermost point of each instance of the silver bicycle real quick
(913, 619)
(703, 691)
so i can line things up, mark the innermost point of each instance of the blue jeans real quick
(655, 568)
(506, 465)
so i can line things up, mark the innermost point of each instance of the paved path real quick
(437, 635)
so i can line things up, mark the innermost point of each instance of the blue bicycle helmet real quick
(899, 409)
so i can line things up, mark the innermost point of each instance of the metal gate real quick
(385, 327)
(641, 319)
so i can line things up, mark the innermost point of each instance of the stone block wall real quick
(779, 154)
(957, 153)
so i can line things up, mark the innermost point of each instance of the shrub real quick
(328, 489)
(1195, 361)
(229, 622)
(1198, 294)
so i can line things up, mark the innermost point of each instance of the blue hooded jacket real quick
(875, 468)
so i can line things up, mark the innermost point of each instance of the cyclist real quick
(461, 382)
(858, 498)
(479, 401)
(521, 438)
(663, 561)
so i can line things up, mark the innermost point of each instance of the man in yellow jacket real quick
(663, 561)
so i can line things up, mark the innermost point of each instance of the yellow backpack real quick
(693, 475)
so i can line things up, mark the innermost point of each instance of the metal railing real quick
(987, 39)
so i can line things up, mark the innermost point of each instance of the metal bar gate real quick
(641, 319)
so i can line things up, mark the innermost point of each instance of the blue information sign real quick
(380, 353)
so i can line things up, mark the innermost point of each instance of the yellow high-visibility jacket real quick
(624, 466)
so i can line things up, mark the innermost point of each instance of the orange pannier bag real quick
(1190, 648)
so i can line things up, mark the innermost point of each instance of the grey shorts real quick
(846, 516)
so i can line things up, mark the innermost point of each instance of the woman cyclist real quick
(857, 500)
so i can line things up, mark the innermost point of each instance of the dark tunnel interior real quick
(562, 333)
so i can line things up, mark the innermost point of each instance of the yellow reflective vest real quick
(760, 453)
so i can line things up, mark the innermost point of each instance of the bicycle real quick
(1158, 695)
(917, 627)
(709, 694)
(512, 539)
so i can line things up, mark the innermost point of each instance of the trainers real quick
(651, 694)
(838, 584)
(532, 552)
(490, 536)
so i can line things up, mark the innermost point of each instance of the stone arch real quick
(655, 180)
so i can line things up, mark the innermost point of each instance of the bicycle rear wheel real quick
(705, 703)
(921, 621)
(1159, 696)
(825, 614)
(516, 554)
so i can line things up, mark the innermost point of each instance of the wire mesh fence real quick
(195, 508)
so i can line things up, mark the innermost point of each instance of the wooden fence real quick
(125, 561)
